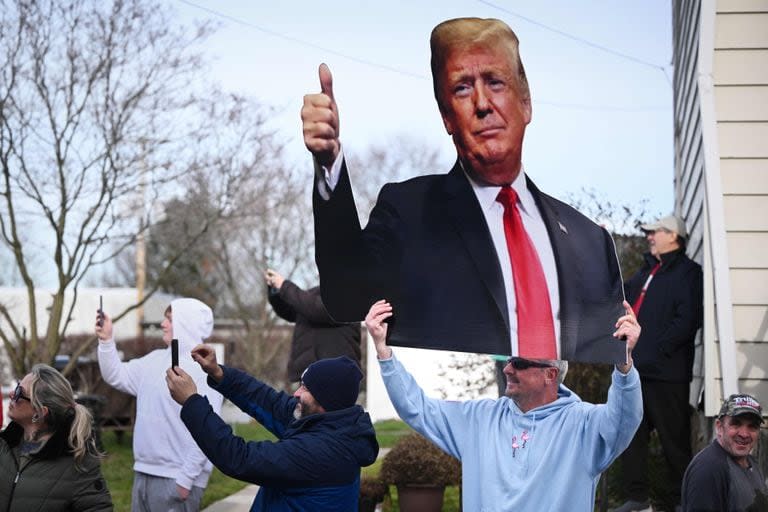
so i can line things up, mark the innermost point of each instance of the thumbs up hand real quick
(320, 121)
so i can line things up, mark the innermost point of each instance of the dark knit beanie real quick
(334, 383)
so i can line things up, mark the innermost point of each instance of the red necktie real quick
(535, 331)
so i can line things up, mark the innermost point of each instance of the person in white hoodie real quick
(171, 471)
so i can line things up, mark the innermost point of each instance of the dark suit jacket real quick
(428, 251)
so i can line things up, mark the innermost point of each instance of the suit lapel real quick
(464, 212)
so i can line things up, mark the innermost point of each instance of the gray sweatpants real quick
(157, 494)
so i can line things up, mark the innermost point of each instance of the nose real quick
(508, 369)
(482, 104)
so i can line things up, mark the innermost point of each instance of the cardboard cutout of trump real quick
(478, 259)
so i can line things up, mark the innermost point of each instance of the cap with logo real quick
(736, 405)
(670, 223)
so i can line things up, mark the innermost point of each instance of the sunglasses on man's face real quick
(18, 394)
(519, 363)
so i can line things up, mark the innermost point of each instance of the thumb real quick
(326, 80)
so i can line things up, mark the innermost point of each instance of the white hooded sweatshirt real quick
(162, 445)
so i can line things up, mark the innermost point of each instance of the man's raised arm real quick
(377, 327)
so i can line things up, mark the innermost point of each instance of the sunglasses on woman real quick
(519, 363)
(18, 394)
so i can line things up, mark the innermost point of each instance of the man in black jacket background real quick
(316, 336)
(667, 297)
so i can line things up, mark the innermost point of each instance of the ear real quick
(527, 109)
(447, 122)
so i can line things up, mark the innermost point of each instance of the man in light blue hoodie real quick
(539, 447)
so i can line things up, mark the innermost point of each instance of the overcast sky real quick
(602, 117)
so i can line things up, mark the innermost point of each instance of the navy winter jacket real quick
(315, 463)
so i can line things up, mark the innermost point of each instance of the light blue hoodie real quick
(548, 459)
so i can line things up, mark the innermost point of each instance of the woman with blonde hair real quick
(48, 458)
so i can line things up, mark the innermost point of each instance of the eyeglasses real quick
(519, 363)
(18, 394)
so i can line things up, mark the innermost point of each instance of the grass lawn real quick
(118, 467)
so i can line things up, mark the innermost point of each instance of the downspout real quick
(714, 196)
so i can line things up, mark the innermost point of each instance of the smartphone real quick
(174, 353)
(100, 321)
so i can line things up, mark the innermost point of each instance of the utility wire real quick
(424, 77)
(303, 42)
(572, 37)
(598, 108)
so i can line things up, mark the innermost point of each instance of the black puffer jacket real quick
(316, 335)
(670, 315)
(49, 481)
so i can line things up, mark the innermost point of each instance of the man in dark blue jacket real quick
(323, 437)
(666, 295)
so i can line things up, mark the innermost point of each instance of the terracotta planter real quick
(420, 498)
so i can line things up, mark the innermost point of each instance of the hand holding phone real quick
(174, 354)
(100, 320)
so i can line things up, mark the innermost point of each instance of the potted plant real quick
(420, 470)
(372, 491)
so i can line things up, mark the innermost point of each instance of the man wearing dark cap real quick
(323, 436)
(666, 295)
(724, 477)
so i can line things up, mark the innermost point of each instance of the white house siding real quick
(739, 122)
(741, 97)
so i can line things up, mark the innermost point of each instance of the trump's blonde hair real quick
(464, 33)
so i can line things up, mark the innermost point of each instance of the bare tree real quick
(467, 376)
(257, 214)
(393, 160)
(621, 219)
(91, 95)
(270, 225)
(275, 230)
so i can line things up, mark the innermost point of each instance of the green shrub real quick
(373, 489)
(415, 460)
